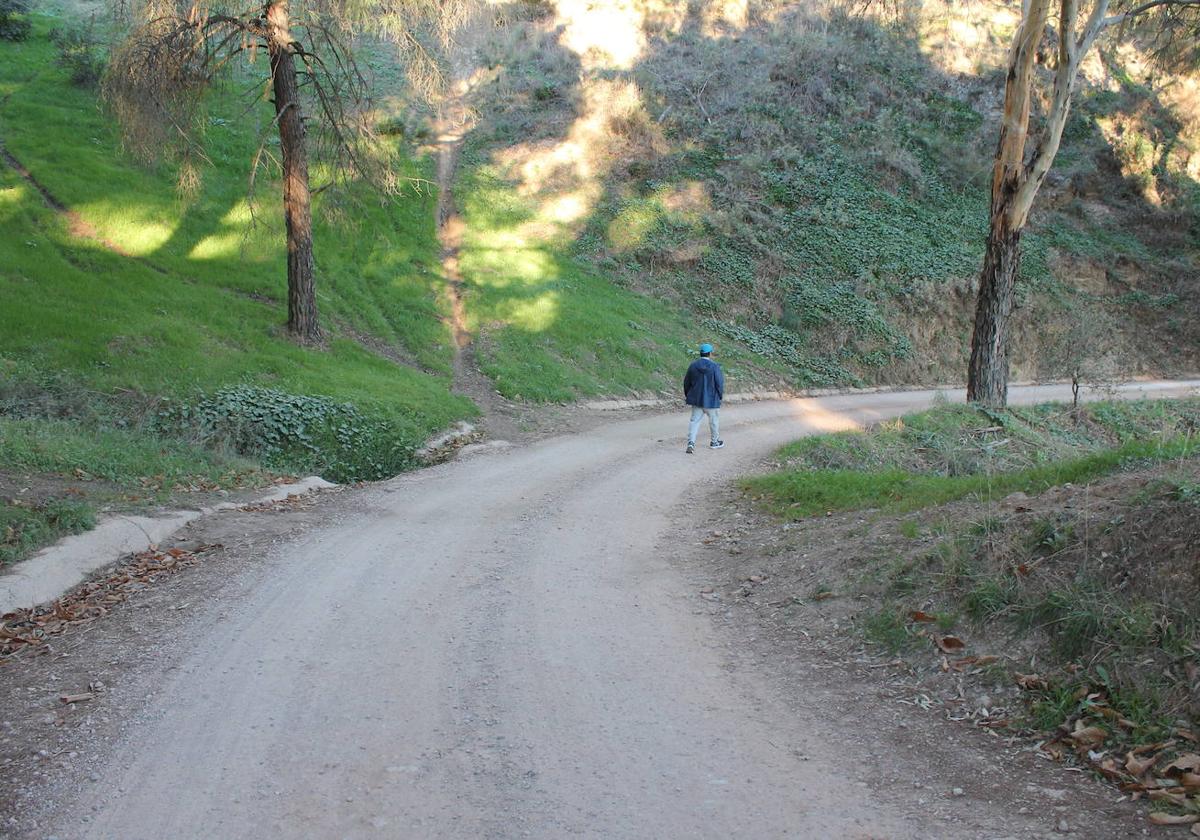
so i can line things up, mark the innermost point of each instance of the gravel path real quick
(495, 648)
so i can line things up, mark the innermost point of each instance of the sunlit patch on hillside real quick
(501, 260)
(227, 242)
(632, 226)
(605, 35)
(566, 176)
(11, 196)
(963, 38)
(138, 230)
(534, 314)
(1182, 96)
(688, 201)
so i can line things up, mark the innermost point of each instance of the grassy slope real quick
(197, 303)
(145, 294)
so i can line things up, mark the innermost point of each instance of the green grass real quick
(197, 301)
(26, 528)
(797, 494)
(888, 629)
(126, 458)
(1094, 593)
(955, 452)
(548, 328)
(109, 467)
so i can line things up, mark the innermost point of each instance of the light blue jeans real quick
(714, 423)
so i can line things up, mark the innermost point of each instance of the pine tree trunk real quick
(297, 205)
(987, 375)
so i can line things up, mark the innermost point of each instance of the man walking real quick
(704, 388)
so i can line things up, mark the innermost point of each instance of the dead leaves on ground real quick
(1166, 773)
(1160, 772)
(30, 628)
(294, 501)
(948, 644)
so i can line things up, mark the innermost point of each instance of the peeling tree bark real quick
(987, 372)
(297, 202)
(1016, 178)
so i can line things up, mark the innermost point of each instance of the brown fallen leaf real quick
(1031, 682)
(1052, 751)
(1168, 797)
(972, 662)
(1087, 736)
(921, 615)
(1187, 763)
(1109, 770)
(948, 644)
(1137, 767)
(1159, 818)
(1155, 747)
(1191, 781)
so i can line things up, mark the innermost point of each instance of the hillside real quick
(811, 186)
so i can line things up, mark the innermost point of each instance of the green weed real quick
(124, 457)
(26, 528)
(888, 629)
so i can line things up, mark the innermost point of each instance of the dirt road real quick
(498, 647)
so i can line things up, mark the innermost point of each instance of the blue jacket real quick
(704, 384)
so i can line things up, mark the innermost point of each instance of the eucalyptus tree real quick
(164, 72)
(1024, 157)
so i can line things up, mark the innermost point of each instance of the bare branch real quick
(1123, 17)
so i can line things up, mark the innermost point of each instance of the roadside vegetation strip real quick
(139, 462)
(1070, 607)
(797, 494)
(57, 475)
(954, 452)
(27, 526)
(1085, 599)
(34, 627)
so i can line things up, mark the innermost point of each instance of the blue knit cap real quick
(705, 348)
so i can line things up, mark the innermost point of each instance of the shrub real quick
(79, 52)
(14, 20)
(295, 432)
